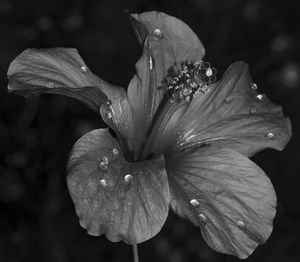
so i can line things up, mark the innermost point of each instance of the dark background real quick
(37, 218)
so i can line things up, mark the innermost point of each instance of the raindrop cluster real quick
(203, 219)
(190, 80)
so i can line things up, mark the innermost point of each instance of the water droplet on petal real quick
(195, 202)
(102, 165)
(240, 224)
(128, 178)
(83, 69)
(228, 99)
(115, 152)
(103, 183)
(252, 110)
(50, 85)
(150, 63)
(270, 136)
(253, 86)
(109, 114)
(260, 97)
(203, 218)
(158, 33)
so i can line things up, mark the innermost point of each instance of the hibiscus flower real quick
(178, 139)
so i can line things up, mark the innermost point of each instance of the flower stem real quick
(135, 253)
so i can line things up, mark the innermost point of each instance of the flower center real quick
(190, 80)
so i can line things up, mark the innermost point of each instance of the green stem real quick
(135, 253)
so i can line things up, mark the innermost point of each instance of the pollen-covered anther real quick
(190, 80)
(103, 163)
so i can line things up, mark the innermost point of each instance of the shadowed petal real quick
(125, 201)
(233, 115)
(167, 42)
(56, 71)
(226, 195)
(62, 71)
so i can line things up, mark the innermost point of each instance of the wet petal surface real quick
(167, 42)
(55, 71)
(62, 71)
(125, 201)
(233, 115)
(226, 195)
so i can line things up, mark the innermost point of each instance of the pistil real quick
(180, 87)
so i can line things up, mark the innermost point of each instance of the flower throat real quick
(190, 80)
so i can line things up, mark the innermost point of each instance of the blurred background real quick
(37, 217)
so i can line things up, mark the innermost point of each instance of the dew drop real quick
(115, 152)
(150, 63)
(270, 136)
(50, 85)
(252, 110)
(253, 86)
(158, 33)
(195, 202)
(203, 218)
(240, 224)
(228, 99)
(83, 69)
(102, 165)
(128, 178)
(209, 72)
(103, 183)
(109, 114)
(260, 97)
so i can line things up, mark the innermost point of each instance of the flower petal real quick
(118, 116)
(167, 42)
(234, 116)
(125, 201)
(62, 71)
(171, 39)
(226, 195)
(56, 71)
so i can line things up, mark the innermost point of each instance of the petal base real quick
(125, 201)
